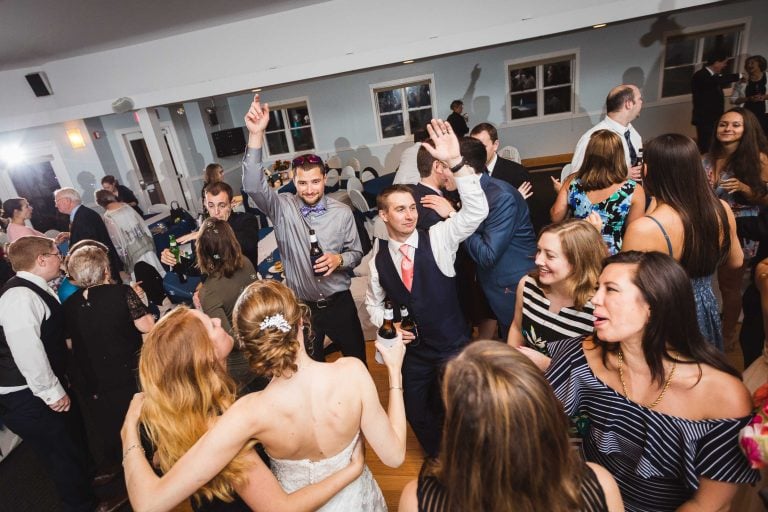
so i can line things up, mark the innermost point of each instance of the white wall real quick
(343, 116)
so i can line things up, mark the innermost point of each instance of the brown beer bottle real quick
(315, 252)
(407, 323)
(387, 330)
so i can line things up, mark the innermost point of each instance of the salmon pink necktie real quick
(406, 267)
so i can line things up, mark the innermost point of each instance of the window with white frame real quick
(685, 53)
(541, 87)
(289, 129)
(403, 107)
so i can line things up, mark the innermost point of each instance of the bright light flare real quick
(12, 155)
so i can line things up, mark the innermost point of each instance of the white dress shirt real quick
(22, 313)
(408, 172)
(490, 165)
(444, 237)
(606, 124)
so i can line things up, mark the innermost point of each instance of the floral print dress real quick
(613, 210)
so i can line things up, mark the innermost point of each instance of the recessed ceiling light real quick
(256, 90)
(599, 25)
(408, 62)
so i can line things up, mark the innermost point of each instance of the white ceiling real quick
(159, 52)
(33, 32)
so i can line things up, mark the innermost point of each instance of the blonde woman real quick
(308, 418)
(186, 388)
(553, 302)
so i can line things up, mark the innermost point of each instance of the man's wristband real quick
(458, 166)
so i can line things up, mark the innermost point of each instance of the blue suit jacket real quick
(503, 246)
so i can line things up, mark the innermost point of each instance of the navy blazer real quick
(503, 247)
(88, 225)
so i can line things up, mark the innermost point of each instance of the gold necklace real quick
(624, 385)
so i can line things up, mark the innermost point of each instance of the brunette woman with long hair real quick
(505, 444)
(553, 301)
(186, 388)
(688, 222)
(601, 186)
(665, 407)
(737, 165)
(227, 273)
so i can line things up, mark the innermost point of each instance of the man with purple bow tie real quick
(324, 287)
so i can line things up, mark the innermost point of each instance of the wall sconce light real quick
(76, 139)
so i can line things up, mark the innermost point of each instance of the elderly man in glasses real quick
(323, 287)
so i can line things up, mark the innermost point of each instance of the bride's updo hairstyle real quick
(267, 319)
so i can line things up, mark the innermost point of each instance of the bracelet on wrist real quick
(396, 387)
(458, 166)
(132, 447)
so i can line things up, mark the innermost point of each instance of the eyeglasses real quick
(57, 254)
(306, 159)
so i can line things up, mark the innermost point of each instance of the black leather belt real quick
(323, 303)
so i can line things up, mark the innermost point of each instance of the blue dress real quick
(707, 308)
(613, 210)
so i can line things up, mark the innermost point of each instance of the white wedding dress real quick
(361, 495)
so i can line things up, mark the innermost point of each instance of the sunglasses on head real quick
(306, 159)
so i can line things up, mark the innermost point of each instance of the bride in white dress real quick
(308, 418)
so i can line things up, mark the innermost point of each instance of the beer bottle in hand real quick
(173, 246)
(387, 331)
(407, 323)
(315, 252)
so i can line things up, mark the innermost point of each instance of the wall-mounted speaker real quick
(39, 84)
(122, 105)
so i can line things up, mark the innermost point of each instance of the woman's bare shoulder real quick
(719, 394)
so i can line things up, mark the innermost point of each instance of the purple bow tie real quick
(318, 209)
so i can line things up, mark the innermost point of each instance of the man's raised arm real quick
(255, 183)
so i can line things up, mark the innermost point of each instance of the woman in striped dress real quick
(664, 406)
(553, 301)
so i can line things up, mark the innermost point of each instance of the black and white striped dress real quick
(540, 325)
(656, 458)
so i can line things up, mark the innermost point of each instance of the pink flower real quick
(752, 451)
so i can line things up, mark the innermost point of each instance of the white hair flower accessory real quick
(277, 321)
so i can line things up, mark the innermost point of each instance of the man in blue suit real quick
(504, 245)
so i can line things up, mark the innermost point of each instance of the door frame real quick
(38, 151)
(126, 135)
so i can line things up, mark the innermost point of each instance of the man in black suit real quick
(501, 168)
(707, 90)
(85, 224)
